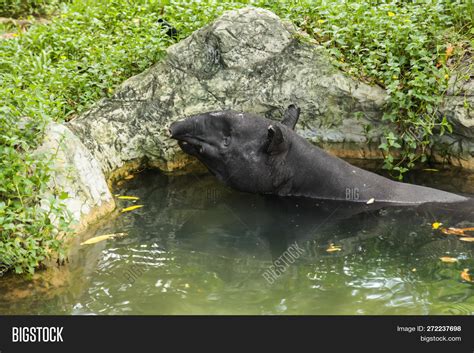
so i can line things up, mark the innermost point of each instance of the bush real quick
(48, 74)
(52, 72)
(407, 47)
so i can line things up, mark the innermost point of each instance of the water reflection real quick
(197, 247)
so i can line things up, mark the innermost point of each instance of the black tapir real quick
(258, 155)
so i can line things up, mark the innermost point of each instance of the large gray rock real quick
(78, 174)
(246, 60)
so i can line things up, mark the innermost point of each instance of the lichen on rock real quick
(76, 173)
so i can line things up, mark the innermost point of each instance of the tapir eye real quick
(226, 141)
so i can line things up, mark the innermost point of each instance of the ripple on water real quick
(188, 253)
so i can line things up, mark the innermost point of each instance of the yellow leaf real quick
(436, 225)
(102, 238)
(333, 248)
(449, 51)
(131, 208)
(431, 170)
(448, 259)
(452, 231)
(391, 14)
(321, 21)
(413, 269)
(129, 198)
(456, 231)
(371, 201)
(128, 177)
(466, 276)
(469, 239)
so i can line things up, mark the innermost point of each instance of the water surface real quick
(197, 247)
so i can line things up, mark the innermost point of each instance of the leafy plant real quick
(407, 47)
(48, 74)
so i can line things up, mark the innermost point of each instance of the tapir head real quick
(244, 151)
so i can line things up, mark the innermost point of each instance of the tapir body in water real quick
(258, 155)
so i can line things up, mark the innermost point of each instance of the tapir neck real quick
(317, 174)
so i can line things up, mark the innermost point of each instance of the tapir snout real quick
(181, 128)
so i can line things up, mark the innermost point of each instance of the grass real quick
(53, 72)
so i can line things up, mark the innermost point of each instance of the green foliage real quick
(47, 74)
(22, 8)
(53, 72)
(407, 47)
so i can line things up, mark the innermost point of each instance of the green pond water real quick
(197, 247)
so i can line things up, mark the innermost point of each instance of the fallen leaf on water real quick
(448, 259)
(102, 237)
(333, 248)
(456, 231)
(372, 200)
(131, 208)
(431, 170)
(466, 276)
(129, 198)
(128, 177)
(436, 225)
(470, 239)
(452, 231)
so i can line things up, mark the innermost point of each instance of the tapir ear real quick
(275, 140)
(290, 118)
